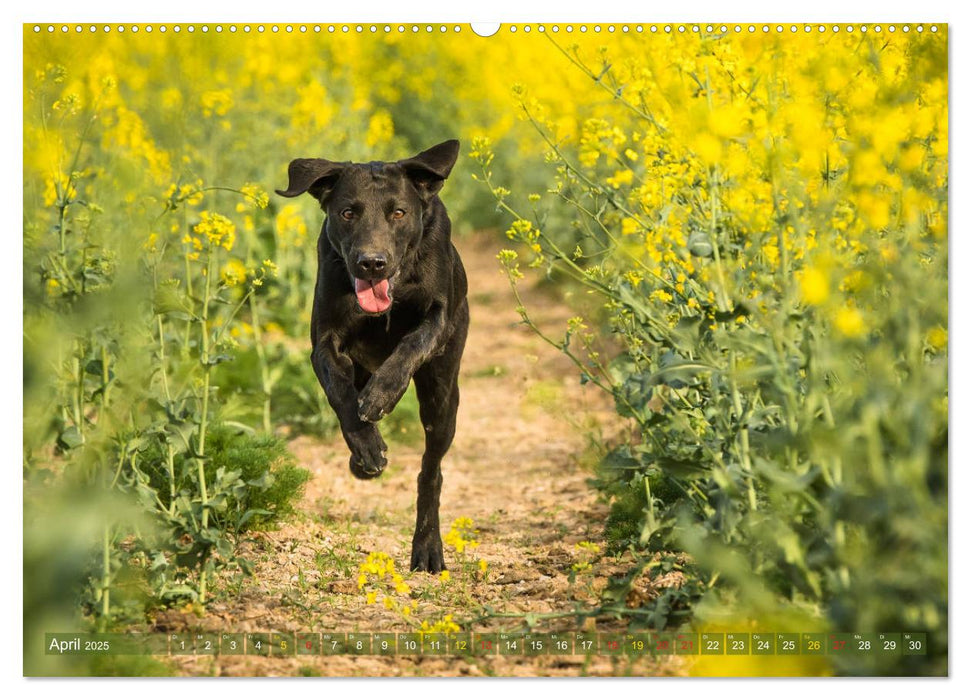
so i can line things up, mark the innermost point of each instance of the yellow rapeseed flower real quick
(620, 178)
(270, 268)
(708, 148)
(58, 189)
(380, 128)
(814, 286)
(255, 195)
(443, 626)
(216, 102)
(290, 227)
(461, 535)
(217, 230)
(151, 243)
(937, 337)
(233, 273)
(727, 121)
(849, 322)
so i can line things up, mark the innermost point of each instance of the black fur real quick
(385, 221)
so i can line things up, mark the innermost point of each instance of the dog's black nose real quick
(372, 263)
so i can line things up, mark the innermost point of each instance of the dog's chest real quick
(375, 338)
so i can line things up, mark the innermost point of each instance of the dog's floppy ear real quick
(429, 169)
(314, 175)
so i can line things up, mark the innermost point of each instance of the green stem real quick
(161, 357)
(573, 270)
(745, 453)
(106, 542)
(267, 386)
(593, 186)
(105, 576)
(188, 291)
(63, 202)
(713, 234)
(616, 92)
(78, 403)
(231, 316)
(204, 413)
(615, 244)
(170, 464)
(105, 379)
(874, 443)
(170, 452)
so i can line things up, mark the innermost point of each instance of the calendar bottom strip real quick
(282, 644)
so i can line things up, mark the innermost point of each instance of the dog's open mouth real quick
(373, 296)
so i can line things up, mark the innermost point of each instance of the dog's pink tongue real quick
(372, 296)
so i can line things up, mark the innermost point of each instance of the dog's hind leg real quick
(436, 385)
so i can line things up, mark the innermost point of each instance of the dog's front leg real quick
(335, 372)
(389, 383)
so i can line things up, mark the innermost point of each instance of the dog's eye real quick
(398, 214)
(347, 214)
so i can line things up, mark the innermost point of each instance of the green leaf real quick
(680, 374)
(264, 482)
(218, 359)
(681, 468)
(250, 513)
(699, 244)
(170, 299)
(70, 438)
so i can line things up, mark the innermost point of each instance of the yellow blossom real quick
(380, 128)
(290, 227)
(233, 273)
(814, 286)
(621, 178)
(708, 147)
(217, 230)
(58, 189)
(937, 337)
(255, 195)
(849, 322)
(217, 102)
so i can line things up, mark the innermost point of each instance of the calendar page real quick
(523, 349)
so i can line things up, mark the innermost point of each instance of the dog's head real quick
(375, 212)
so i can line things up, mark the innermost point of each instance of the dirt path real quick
(517, 468)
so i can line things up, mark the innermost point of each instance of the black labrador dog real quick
(389, 306)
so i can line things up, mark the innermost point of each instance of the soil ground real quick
(518, 468)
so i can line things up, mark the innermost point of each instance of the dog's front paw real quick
(380, 396)
(368, 452)
(427, 555)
